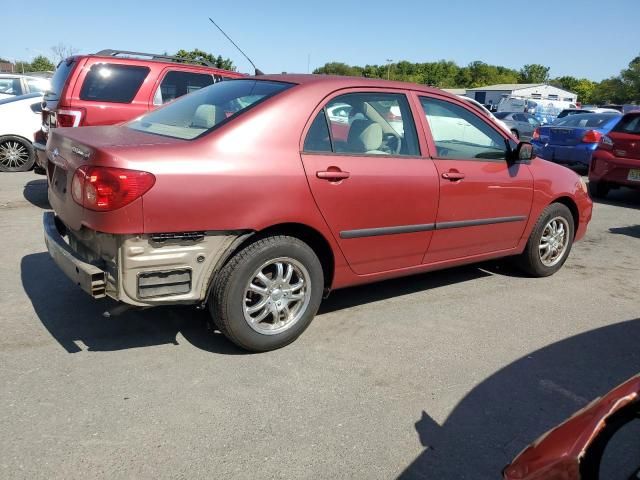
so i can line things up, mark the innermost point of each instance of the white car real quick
(20, 119)
(484, 110)
(12, 85)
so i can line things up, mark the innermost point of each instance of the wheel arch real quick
(573, 208)
(305, 233)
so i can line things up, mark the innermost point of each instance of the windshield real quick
(584, 120)
(196, 113)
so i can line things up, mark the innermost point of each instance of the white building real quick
(534, 91)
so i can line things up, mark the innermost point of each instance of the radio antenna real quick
(257, 71)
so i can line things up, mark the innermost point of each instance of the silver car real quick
(521, 125)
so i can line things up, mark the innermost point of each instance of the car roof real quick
(336, 82)
(146, 61)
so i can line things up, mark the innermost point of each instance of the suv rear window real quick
(193, 115)
(108, 82)
(59, 79)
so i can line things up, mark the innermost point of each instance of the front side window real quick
(366, 124)
(176, 83)
(193, 115)
(107, 82)
(38, 85)
(460, 134)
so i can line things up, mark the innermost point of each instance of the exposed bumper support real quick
(88, 277)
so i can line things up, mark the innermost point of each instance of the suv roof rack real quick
(153, 56)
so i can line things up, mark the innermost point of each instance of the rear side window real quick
(629, 124)
(318, 138)
(113, 83)
(175, 84)
(59, 79)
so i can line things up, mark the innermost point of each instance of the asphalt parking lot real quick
(444, 375)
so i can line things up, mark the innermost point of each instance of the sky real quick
(582, 38)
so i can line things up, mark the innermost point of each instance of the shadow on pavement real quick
(75, 320)
(621, 197)
(513, 407)
(631, 230)
(35, 191)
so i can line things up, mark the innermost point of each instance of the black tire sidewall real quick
(32, 154)
(237, 328)
(531, 257)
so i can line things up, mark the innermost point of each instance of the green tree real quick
(534, 73)
(339, 68)
(631, 79)
(197, 54)
(42, 64)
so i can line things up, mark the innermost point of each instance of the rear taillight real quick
(69, 118)
(605, 143)
(106, 188)
(592, 136)
(536, 134)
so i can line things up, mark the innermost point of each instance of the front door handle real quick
(333, 175)
(453, 176)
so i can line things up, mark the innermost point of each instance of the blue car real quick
(572, 140)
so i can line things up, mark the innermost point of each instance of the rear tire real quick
(549, 243)
(268, 293)
(598, 189)
(16, 154)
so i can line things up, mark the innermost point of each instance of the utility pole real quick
(389, 60)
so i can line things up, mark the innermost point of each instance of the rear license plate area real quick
(634, 175)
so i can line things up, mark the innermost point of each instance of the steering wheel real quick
(393, 142)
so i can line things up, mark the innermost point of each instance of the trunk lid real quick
(70, 148)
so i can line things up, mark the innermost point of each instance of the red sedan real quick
(258, 196)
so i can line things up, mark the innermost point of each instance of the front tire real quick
(16, 154)
(268, 293)
(549, 243)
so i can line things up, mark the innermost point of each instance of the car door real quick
(485, 199)
(378, 195)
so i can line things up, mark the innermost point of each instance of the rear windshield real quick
(192, 115)
(629, 124)
(593, 120)
(59, 79)
(108, 82)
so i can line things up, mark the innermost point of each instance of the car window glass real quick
(193, 115)
(37, 84)
(533, 121)
(460, 134)
(629, 124)
(583, 120)
(317, 139)
(175, 84)
(10, 86)
(113, 83)
(372, 124)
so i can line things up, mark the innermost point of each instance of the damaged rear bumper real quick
(140, 270)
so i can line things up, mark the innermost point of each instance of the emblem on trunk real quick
(80, 152)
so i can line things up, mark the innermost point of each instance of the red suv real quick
(256, 197)
(113, 86)
(616, 162)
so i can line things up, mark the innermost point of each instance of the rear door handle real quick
(333, 175)
(453, 176)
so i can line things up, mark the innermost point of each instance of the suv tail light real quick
(592, 136)
(106, 188)
(69, 118)
(536, 134)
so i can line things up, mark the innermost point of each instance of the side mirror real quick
(523, 153)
